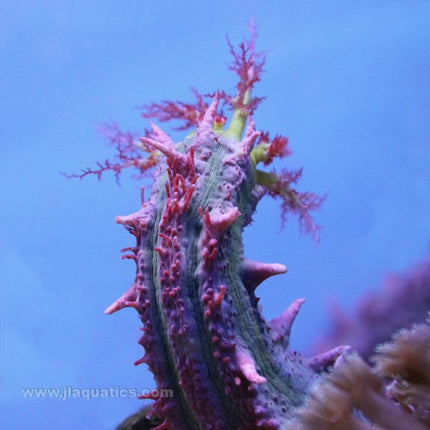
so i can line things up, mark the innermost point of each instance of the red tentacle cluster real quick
(298, 203)
(190, 114)
(248, 65)
(278, 147)
(128, 154)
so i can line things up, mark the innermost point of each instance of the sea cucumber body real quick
(203, 333)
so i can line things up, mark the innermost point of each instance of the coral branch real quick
(353, 385)
(406, 361)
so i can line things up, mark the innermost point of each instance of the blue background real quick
(347, 82)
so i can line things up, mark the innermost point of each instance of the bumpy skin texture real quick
(203, 332)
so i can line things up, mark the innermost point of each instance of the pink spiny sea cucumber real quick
(204, 336)
(203, 333)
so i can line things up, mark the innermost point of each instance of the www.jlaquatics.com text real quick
(88, 393)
